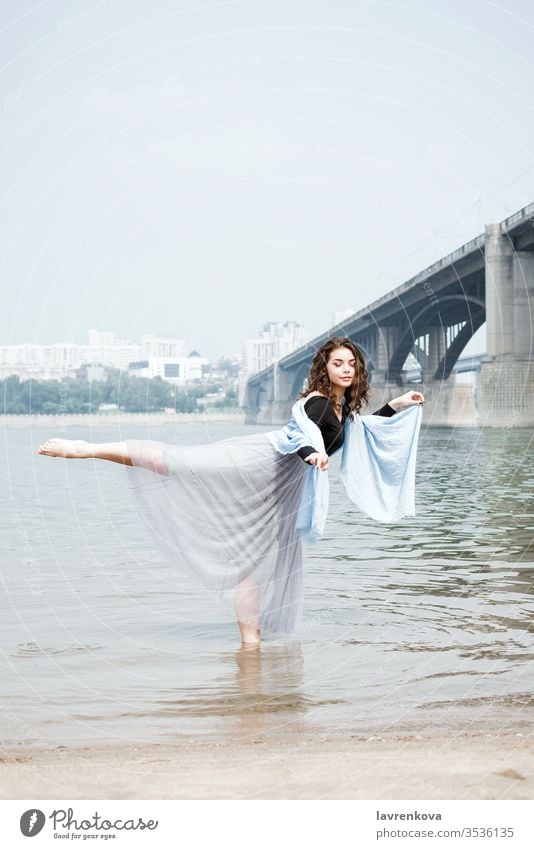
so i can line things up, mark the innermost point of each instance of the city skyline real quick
(154, 355)
(475, 346)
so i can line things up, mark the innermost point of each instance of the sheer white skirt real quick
(226, 512)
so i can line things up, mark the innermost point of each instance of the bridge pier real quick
(506, 395)
(387, 338)
(437, 347)
(280, 407)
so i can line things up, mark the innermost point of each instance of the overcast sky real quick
(198, 169)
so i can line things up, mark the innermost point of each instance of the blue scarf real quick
(377, 465)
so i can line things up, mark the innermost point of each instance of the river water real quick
(423, 625)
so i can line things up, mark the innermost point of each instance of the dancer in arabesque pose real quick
(235, 512)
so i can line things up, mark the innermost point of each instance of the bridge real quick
(433, 316)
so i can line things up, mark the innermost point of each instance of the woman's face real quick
(341, 367)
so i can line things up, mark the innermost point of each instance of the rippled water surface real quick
(425, 624)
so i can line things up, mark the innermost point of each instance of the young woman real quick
(234, 512)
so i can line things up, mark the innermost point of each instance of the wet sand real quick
(470, 765)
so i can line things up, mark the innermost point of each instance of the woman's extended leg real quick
(78, 449)
(151, 457)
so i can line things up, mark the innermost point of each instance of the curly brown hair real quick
(318, 381)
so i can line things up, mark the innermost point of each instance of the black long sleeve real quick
(320, 411)
(305, 451)
(386, 411)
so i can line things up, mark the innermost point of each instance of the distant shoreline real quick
(120, 418)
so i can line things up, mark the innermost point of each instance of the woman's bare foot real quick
(69, 448)
(250, 635)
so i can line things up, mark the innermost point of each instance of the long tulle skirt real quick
(226, 512)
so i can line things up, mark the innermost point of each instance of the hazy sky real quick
(198, 169)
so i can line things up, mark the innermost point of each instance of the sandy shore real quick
(484, 765)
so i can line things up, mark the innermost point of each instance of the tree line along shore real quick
(118, 392)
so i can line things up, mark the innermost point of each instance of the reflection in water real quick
(256, 690)
(264, 679)
(259, 689)
(270, 685)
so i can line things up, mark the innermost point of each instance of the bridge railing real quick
(526, 212)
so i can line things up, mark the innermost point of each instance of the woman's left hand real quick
(409, 399)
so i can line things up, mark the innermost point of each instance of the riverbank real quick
(120, 418)
(466, 765)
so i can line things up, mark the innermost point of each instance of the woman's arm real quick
(316, 408)
(409, 399)
(387, 410)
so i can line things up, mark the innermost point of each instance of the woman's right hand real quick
(319, 460)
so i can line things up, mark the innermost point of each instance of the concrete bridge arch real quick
(491, 279)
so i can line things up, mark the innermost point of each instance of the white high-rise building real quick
(106, 350)
(274, 341)
(100, 338)
(161, 346)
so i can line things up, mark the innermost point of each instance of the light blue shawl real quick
(377, 465)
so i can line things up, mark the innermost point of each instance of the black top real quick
(320, 410)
